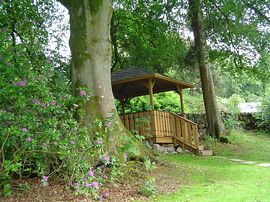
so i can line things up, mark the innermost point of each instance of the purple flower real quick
(106, 194)
(43, 105)
(45, 178)
(36, 101)
(82, 93)
(58, 105)
(90, 173)
(87, 185)
(72, 142)
(84, 179)
(99, 141)
(106, 158)
(52, 102)
(21, 83)
(95, 184)
(24, 130)
(29, 139)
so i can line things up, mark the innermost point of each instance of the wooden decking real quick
(165, 127)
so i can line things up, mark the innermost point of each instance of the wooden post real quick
(180, 92)
(123, 103)
(151, 84)
(153, 126)
(182, 102)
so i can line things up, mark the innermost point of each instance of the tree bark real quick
(215, 124)
(90, 46)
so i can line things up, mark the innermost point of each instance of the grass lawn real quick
(218, 179)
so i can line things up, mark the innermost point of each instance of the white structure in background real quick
(249, 107)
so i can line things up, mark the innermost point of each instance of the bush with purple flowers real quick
(82, 93)
(39, 134)
(48, 137)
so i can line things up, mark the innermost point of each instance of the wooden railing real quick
(186, 131)
(163, 125)
(138, 121)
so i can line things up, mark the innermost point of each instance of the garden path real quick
(250, 162)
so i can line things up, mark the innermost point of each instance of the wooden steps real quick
(204, 152)
(200, 150)
(201, 147)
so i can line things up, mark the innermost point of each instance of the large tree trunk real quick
(90, 46)
(215, 125)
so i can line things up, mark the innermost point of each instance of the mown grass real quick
(243, 144)
(217, 178)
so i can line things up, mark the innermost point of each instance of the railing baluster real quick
(126, 122)
(164, 124)
(196, 137)
(168, 124)
(154, 123)
(160, 121)
(189, 132)
(131, 121)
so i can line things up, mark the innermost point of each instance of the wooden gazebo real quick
(165, 127)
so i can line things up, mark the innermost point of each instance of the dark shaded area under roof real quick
(134, 81)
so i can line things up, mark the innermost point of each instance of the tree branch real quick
(114, 43)
(23, 41)
(229, 32)
(12, 24)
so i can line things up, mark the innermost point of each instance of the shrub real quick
(231, 121)
(167, 101)
(264, 116)
(230, 104)
(39, 136)
(148, 188)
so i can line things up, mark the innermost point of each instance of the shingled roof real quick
(129, 73)
(132, 82)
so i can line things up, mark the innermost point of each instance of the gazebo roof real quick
(129, 73)
(133, 82)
